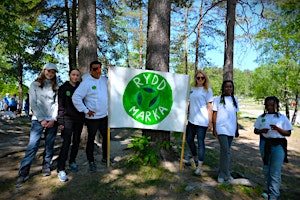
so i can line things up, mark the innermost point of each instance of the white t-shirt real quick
(226, 122)
(281, 121)
(199, 98)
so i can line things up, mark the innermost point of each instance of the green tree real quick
(279, 42)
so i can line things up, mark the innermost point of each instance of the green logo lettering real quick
(148, 98)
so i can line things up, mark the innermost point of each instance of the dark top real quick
(66, 109)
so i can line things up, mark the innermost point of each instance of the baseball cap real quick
(49, 66)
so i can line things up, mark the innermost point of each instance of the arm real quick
(214, 119)
(281, 131)
(210, 114)
(237, 134)
(61, 109)
(260, 131)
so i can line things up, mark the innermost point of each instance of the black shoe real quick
(21, 180)
(92, 167)
(46, 171)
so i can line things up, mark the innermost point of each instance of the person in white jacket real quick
(91, 97)
(44, 106)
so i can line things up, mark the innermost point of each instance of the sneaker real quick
(62, 176)
(265, 195)
(21, 180)
(220, 180)
(92, 167)
(46, 170)
(230, 178)
(104, 160)
(198, 171)
(193, 163)
(74, 166)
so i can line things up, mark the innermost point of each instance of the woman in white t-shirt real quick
(272, 127)
(225, 126)
(200, 118)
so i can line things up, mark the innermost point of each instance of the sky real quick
(243, 58)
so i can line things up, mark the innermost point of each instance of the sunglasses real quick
(200, 77)
(96, 69)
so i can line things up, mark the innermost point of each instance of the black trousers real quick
(71, 128)
(93, 125)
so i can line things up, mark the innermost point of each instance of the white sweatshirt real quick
(92, 95)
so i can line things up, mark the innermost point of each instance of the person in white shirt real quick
(272, 127)
(200, 118)
(225, 126)
(91, 97)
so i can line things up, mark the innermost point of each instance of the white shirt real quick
(271, 119)
(226, 122)
(199, 98)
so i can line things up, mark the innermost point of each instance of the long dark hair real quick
(276, 100)
(223, 92)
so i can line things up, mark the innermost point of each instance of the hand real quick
(215, 133)
(264, 130)
(274, 127)
(237, 134)
(44, 123)
(91, 113)
(50, 124)
(61, 127)
(210, 126)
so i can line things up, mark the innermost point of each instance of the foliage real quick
(276, 79)
(281, 36)
(144, 152)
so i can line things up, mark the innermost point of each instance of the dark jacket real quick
(66, 109)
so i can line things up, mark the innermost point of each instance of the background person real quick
(44, 103)
(13, 103)
(70, 122)
(200, 118)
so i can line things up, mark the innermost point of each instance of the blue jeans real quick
(225, 155)
(272, 171)
(93, 125)
(200, 131)
(34, 143)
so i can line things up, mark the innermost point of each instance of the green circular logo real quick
(68, 93)
(148, 98)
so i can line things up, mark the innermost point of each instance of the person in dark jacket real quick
(70, 122)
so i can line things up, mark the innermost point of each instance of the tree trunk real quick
(186, 30)
(198, 38)
(20, 84)
(158, 49)
(141, 41)
(87, 41)
(73, 35)
(229, 41)
(87, 34)
(295, 110)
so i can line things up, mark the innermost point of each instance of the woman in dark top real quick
(70, 122)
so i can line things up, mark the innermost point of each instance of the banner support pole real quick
(108, 147)
(182, 151)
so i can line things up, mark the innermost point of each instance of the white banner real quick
(147, 99)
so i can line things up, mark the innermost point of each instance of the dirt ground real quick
(246, 163)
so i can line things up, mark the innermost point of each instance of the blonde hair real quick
(206, 84)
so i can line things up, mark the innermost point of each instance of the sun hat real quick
(50, 66)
